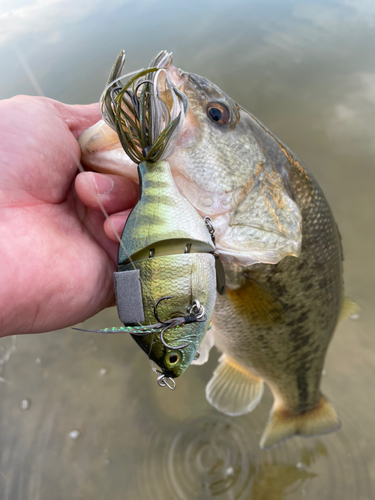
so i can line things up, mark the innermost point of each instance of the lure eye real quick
(218, 113)
(172, 359)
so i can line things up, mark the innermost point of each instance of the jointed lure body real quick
(165, 284)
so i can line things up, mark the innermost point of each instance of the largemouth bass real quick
(281, 248)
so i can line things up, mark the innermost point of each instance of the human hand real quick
(56, 256)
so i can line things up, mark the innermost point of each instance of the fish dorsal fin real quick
(283, 424)
(259, 305)
(348, 308)
(233, 390)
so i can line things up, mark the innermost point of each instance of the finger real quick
(38, 153)
(114, 225)
(78, 117)
(93, 222)
(114, 192)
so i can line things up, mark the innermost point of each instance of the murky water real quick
(81, 416)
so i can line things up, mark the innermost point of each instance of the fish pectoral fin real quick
(262, 307)
(283, 425)
(348, 308)
(233, 390)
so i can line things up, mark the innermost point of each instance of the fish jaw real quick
(102, 152)
(252, 223)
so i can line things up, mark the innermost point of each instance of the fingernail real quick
(102, 183)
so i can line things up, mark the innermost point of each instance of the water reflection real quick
(104, 435)
(208, 458)
(219, 457)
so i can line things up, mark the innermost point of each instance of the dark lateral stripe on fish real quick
(153, 199)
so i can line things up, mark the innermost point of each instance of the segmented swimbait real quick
(165, 283)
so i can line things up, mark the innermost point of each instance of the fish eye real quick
(172, 358)
(218, 113)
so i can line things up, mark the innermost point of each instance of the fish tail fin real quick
(232, 389)
(282, 424)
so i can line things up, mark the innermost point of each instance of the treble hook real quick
(197, 314)
(156, 308)
(165, 343)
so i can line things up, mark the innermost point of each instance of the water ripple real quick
(219, 457)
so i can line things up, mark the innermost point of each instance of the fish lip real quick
(177, 76)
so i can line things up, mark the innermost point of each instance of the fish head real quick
(228, 166)
(232, 169)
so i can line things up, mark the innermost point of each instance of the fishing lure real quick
(165, 284)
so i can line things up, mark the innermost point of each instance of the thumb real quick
(78, 117)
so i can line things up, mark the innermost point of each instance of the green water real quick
(81, 416)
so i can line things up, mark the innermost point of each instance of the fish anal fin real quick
(233, 390)
(256, 303)
(348, 308)
(282, 424)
